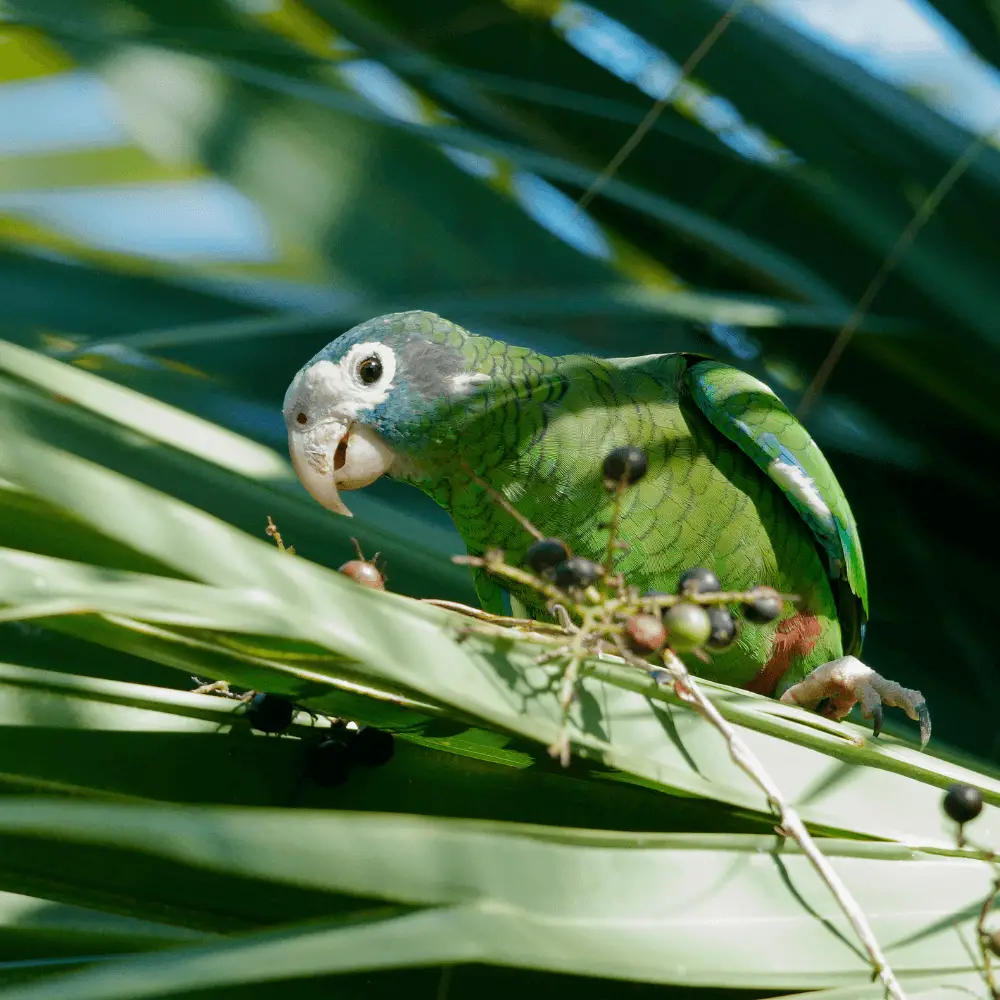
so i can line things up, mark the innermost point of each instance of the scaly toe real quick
(910, 701)
(836, 687)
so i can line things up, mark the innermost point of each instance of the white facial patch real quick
(339, 389)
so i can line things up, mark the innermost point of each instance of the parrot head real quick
(357, 410)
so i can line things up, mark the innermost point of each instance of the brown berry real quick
(365, 573)
(645, 634)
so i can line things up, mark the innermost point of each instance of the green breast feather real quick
(750, 415)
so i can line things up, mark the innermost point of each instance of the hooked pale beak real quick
(337, 456)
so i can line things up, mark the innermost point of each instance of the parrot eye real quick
(370, 370)
(301, 418)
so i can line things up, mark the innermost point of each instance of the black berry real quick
(625, 465)
(577, 572)
(724, 629)
(371, 747)
(645, 634)
(545, 554)
(329, 763)
(688, 626)
(698, 580)
(365, 573)
(764, 608)
(963, 803)
(268, 713)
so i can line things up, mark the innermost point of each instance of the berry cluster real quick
(599, 611)
(687, 626)
(344, 746)
(330, 761)
(698, 617)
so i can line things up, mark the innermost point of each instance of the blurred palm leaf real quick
(194, 197)
(978, 21)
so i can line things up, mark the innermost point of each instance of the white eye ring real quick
(384, 359)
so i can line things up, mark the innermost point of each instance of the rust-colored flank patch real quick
(796, 636)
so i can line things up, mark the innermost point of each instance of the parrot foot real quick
(847, 682)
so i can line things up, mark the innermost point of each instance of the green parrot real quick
(734, 483)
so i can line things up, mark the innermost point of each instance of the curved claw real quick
(834, 688)
(879, 716)
(924, 718)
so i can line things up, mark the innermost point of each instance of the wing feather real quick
(750, 415)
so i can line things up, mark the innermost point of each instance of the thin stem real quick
(658, 108)
(272, 532)
(556, 643)
(486, 616)
(920, 218)
(565, 622)
(720, 597)
(503, 502)
(791, 825)
(616, 513)
(567, 689)
(984, 939)
(989, 905)
(498, 567)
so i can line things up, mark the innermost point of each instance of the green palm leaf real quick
(383, 155)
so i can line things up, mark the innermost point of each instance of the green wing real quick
(750, 415)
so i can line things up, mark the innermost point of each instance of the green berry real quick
(625, 465)
(545, 554)
(963, 803)
(698, 580)
(268, 713)
(688, 626)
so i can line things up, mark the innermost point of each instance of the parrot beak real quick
(338, 456)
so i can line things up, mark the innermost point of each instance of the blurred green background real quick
(196, 195)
